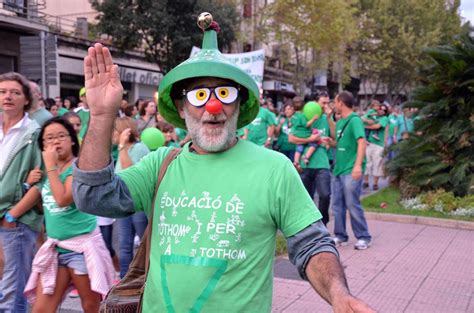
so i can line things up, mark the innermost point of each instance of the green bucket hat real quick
(209, 62)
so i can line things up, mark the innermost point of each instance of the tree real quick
(393, 35)
(165, 30)
(317, 31)
(442, 157)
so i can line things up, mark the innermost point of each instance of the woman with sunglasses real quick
(75, 252)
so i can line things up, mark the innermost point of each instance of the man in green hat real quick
(218, 208)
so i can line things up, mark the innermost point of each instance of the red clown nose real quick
(214, 106)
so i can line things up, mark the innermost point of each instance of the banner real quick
(251, 62)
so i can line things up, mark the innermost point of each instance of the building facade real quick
(47, 40)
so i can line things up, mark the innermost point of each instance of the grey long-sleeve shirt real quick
(104, 193)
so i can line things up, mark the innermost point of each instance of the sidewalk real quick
(409, 268)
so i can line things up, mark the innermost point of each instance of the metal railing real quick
(31, 10)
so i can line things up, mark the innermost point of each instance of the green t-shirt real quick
(283, 137)
(84, 115)
(181, 133)
(371, 114)
(214, 232)
(393, 122)
(66, 222)
(62, 111)
(346, 149)
(377, 136)
(319, 159)
(173, 143)
(405, 124)
(136, 152)
(258, 128)
(298, 125)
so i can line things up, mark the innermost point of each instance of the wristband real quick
(51, 169)
(26, 186)
(120, 147)
(269, 138)
(9, 218)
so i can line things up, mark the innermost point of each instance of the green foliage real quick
(438, 203)
(441, 156)
(165, 30)
(393, 35)
(317, 32)
(441, 200)
(281, 247)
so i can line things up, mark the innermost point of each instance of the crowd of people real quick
(331, 152)
(226, 195)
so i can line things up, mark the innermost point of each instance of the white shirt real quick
(10, 139)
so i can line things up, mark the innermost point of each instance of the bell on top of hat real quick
(209, 62)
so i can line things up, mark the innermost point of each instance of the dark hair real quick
(143, 108)
(122, 123)
(310, 97)
(287, 105)
(137, 102)
(322, 94)
(62, 121)
(73, 102)
(386, 109)
(165, 127)
(347, 98)
(129, 110)
(71, 114)
(25, 85)
(49, 102)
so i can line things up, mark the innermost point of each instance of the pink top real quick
(99, 264)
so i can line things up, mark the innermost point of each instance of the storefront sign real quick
(139, 76)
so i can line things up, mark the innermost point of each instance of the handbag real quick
(126, 296)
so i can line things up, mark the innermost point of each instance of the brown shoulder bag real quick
(126, 296)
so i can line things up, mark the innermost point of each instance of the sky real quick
(467, 10)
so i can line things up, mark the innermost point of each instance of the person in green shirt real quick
(406, 123)
(369, 118)
(63, 221)
(316, 175)
(375, 147)
(301, 128)
(349, 139)
(261, 130)
(218, 208)
(83, 112)
(282, 130)
(391, 137)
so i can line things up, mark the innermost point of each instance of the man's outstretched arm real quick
(314, 254)
(325, 273)
(96, 189)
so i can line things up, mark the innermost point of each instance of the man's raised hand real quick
(102, 81)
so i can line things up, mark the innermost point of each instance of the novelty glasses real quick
(199, 96)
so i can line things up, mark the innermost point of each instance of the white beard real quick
(212, 140)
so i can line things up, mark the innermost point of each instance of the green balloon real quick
(153, 138)
(312, 109)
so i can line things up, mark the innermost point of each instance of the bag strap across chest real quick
(163, 168)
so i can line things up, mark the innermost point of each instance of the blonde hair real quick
(122, 123)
